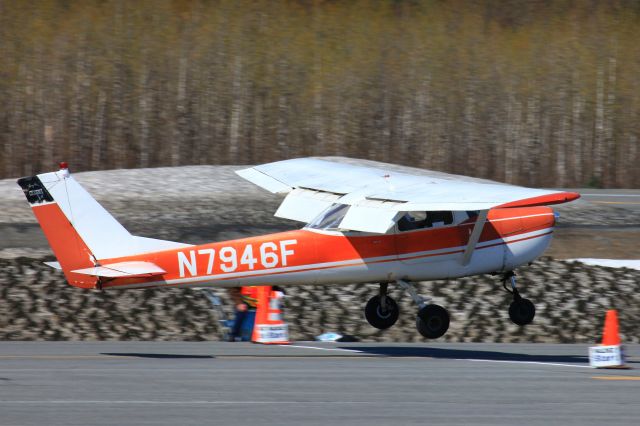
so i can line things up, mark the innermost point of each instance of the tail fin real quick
(80, 231)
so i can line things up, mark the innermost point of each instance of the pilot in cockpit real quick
(412, 220)
(420, 220)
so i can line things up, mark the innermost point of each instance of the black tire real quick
(522, 311)
(432, 321)
(378, 319)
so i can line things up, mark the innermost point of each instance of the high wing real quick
(376, 195)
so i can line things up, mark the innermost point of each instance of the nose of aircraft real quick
(513, 221)
(536, 218)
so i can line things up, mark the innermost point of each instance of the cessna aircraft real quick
(363, 225)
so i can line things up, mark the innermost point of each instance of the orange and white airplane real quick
(363, 225)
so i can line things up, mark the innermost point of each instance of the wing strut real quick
(475, 236)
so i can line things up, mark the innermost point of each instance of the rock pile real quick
(571, 299)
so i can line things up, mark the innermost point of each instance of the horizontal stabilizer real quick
(123, 269)
(54, 265)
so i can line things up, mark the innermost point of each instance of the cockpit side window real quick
(412, 220)
(419, 220)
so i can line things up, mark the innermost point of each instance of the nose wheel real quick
(521, 311)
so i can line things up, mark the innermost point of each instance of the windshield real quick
(330, 218)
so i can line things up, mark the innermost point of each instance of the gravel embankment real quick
(571, 300)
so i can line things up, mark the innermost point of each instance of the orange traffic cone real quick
(610, 353)
(610, 334)
(269, 327)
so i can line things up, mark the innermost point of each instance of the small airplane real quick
(363, 225)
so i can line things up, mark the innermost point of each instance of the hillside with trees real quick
(541, 93)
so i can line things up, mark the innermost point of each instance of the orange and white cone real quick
(609, 354)
(269, 327)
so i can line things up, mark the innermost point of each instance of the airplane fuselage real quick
(510, 237)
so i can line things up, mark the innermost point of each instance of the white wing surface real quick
(376, 194)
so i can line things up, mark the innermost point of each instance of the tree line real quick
(541, 93)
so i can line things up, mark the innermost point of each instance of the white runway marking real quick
(555, 364)
(324, 349)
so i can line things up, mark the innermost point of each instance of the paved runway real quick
(117, 383)
(625, 198)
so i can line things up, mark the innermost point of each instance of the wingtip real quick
(544, 200)
(572, 196)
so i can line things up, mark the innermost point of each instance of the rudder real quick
(70, 250)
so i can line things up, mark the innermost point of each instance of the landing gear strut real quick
(521, 310)
(381, 310)
(433, 320)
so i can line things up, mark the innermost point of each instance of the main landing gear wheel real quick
(521, 311)
(432, 321)
(381, 317)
